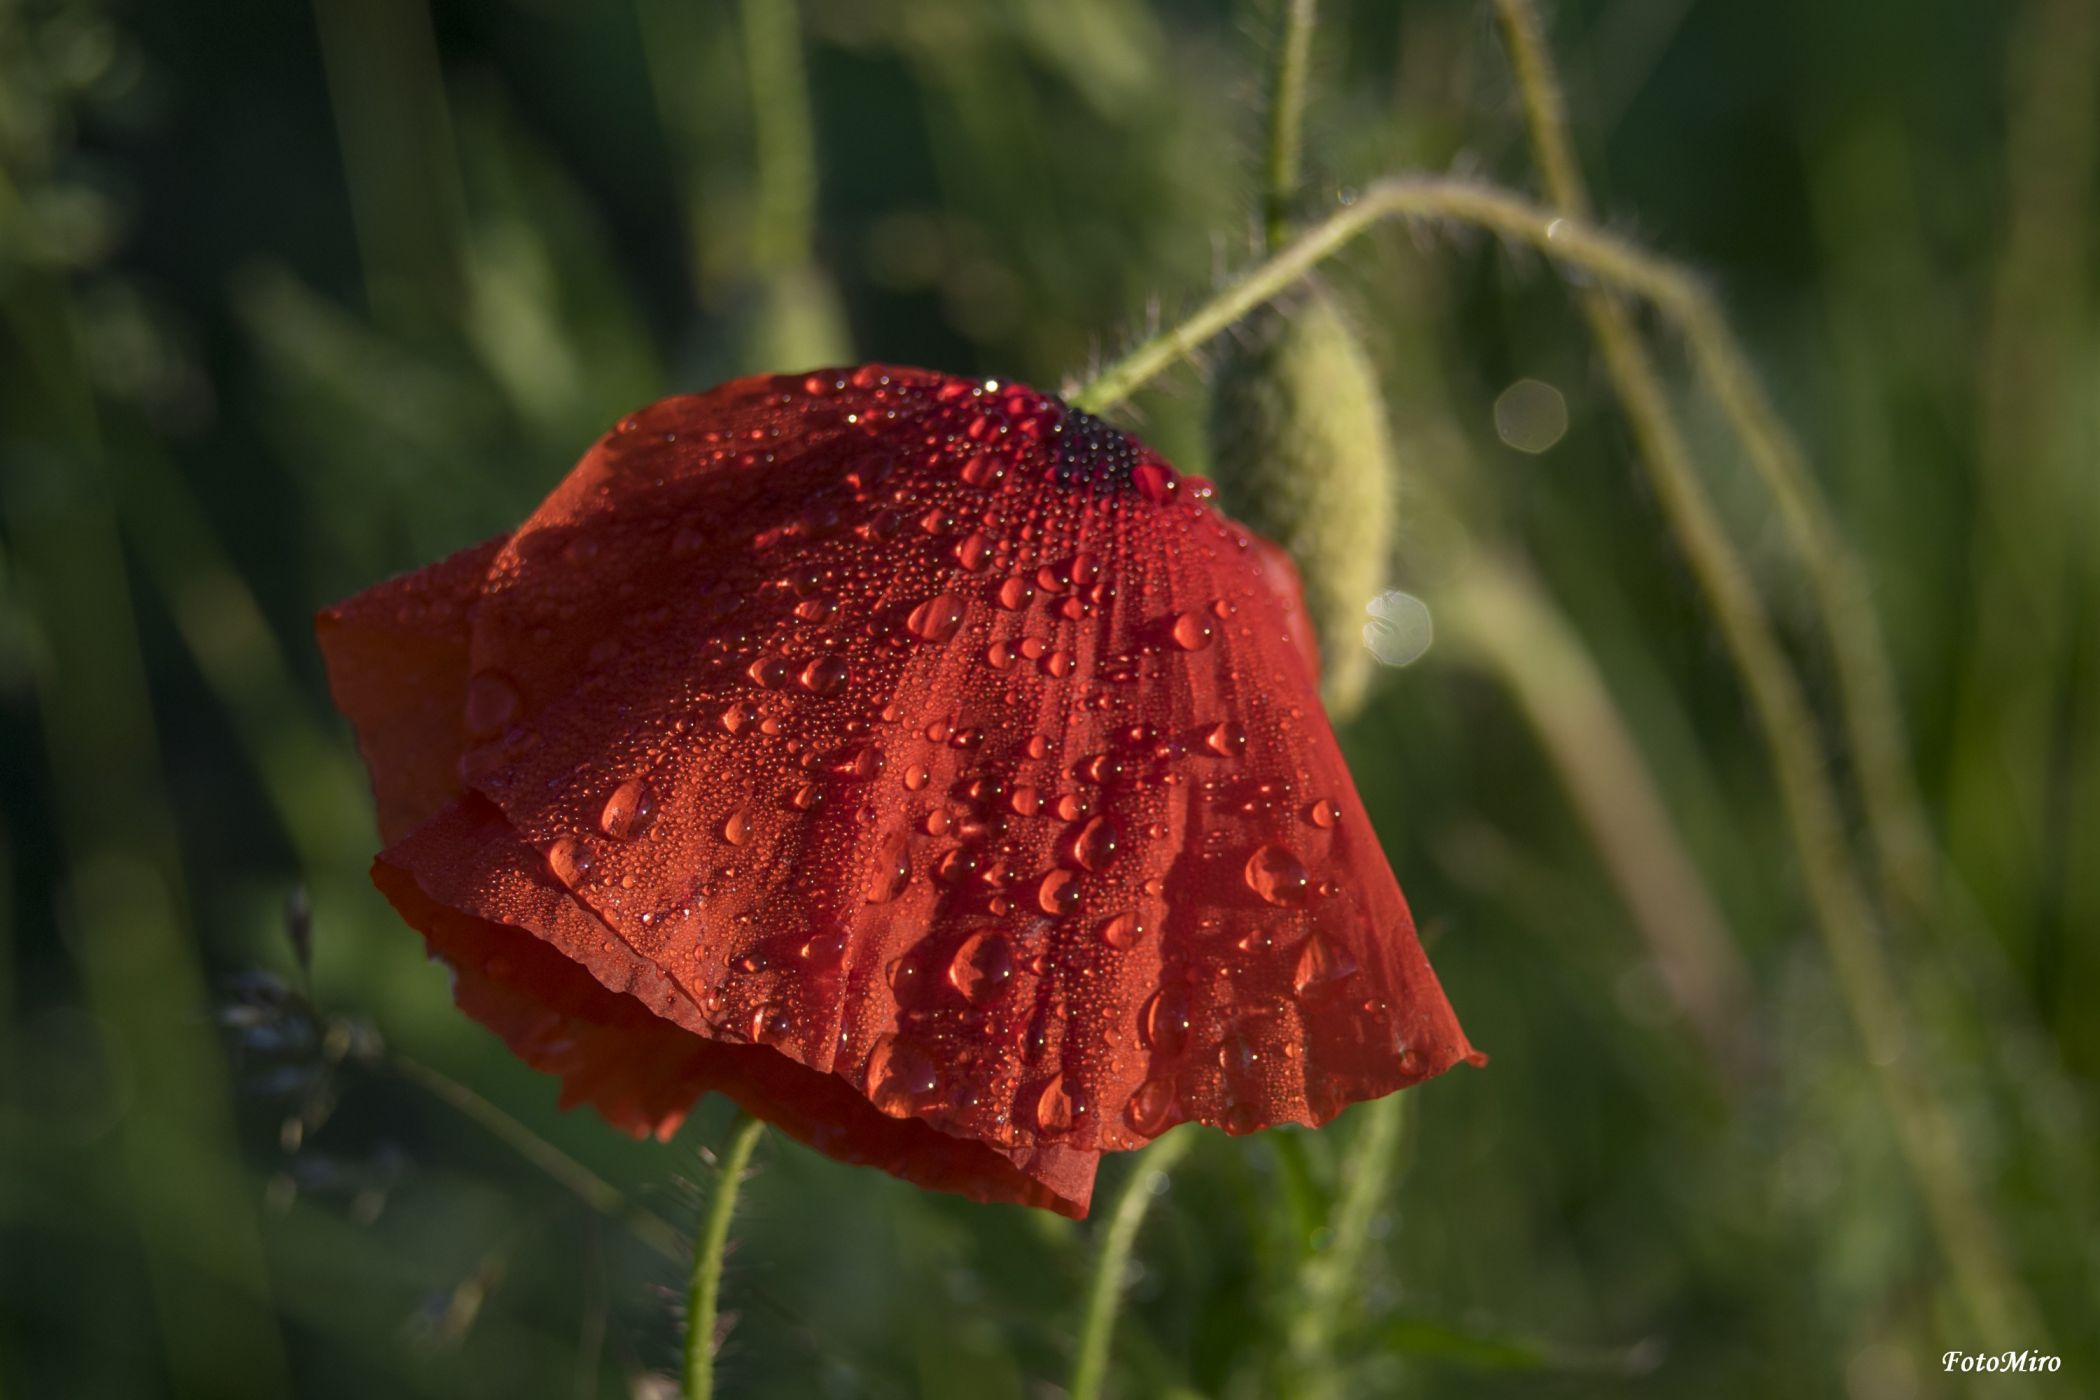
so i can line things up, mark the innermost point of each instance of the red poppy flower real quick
(921, 763)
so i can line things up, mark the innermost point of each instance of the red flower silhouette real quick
(921, 763)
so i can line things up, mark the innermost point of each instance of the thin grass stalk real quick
(703, 1297)
(1967, 1234)
(1286, 120)
(565, 1171)
(121, 885)
(1090, 1362)
(786, 156)
(1506, 623)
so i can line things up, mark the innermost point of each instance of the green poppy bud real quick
(1301, 453)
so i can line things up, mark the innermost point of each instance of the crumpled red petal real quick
(921, 763)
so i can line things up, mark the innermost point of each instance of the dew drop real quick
(1226, 739)
(937, 619)
(892, 871)
(1026, 801)
(1164, 1021)
(629, 811)
(807, 798)
(492, 704)
(1151, 1109)
(825, 948)
(1192, 631)
(1054, 1108)
(736, 829)
(826, 675)
(1323, 814)
(770, 672)
(1321, 965)
(982, 967)
(736, 717)
(570, 861)
(1277, 875)
(1094, 844)
(1123, 931)
(1057, 893)
(900, 1076)
(916, 777)
(974, 552)
(1015, 593)
(817, 609)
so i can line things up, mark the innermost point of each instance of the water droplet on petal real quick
(1192, 631)
(770, 672)
(570, 861)
(1164, 1020)
(900, 1076)
(937, 619)
(1323, 814)
(1094, 844)
(825, 948)
(826, 675)
(1277, 875)
(492, 704)
(629, 811)
(1054, 1108)
(1057, 893)
(1226, 739)
(1123, 931)
(1152, 1108)
(736, 829)
(982, 966)
(1015, 593)
(1321, 965)
(892, 870)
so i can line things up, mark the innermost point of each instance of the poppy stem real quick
(1606, 257)
(1925, 1130)
(1331, 1275)
(1090, 1366)
(1287, 120)
(704, 1295)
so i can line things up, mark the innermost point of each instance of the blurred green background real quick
(294, 296)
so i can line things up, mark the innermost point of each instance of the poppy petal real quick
(397, 666)
(569, 999)
(935, 737)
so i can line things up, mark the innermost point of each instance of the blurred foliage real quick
(296, 296)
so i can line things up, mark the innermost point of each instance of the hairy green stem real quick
(1090, 1366)
(704, 1296)
(1924, 1128)
(1286, 119)
(1331, 1275)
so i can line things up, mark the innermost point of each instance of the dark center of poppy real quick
(1089, 453)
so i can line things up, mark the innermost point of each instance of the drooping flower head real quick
(921, 763)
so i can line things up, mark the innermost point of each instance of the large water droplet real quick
(493, 703)
(1323, 814)
(736, 828)
(1057, 894)
(1015, 593)
(1277, 875)
(629, 811)
(900, 1076)
(1192, 631)
(1094, 844)
(892, 870)
(825, 948)
(1152, 1108)
(826, 675)
(937, 619)
(1123, 931)
(1164, 1021)
(1054, 1107)
(982, 966)
(1321, 966)
(1226, 739)
(570, 860)
(770, 672)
